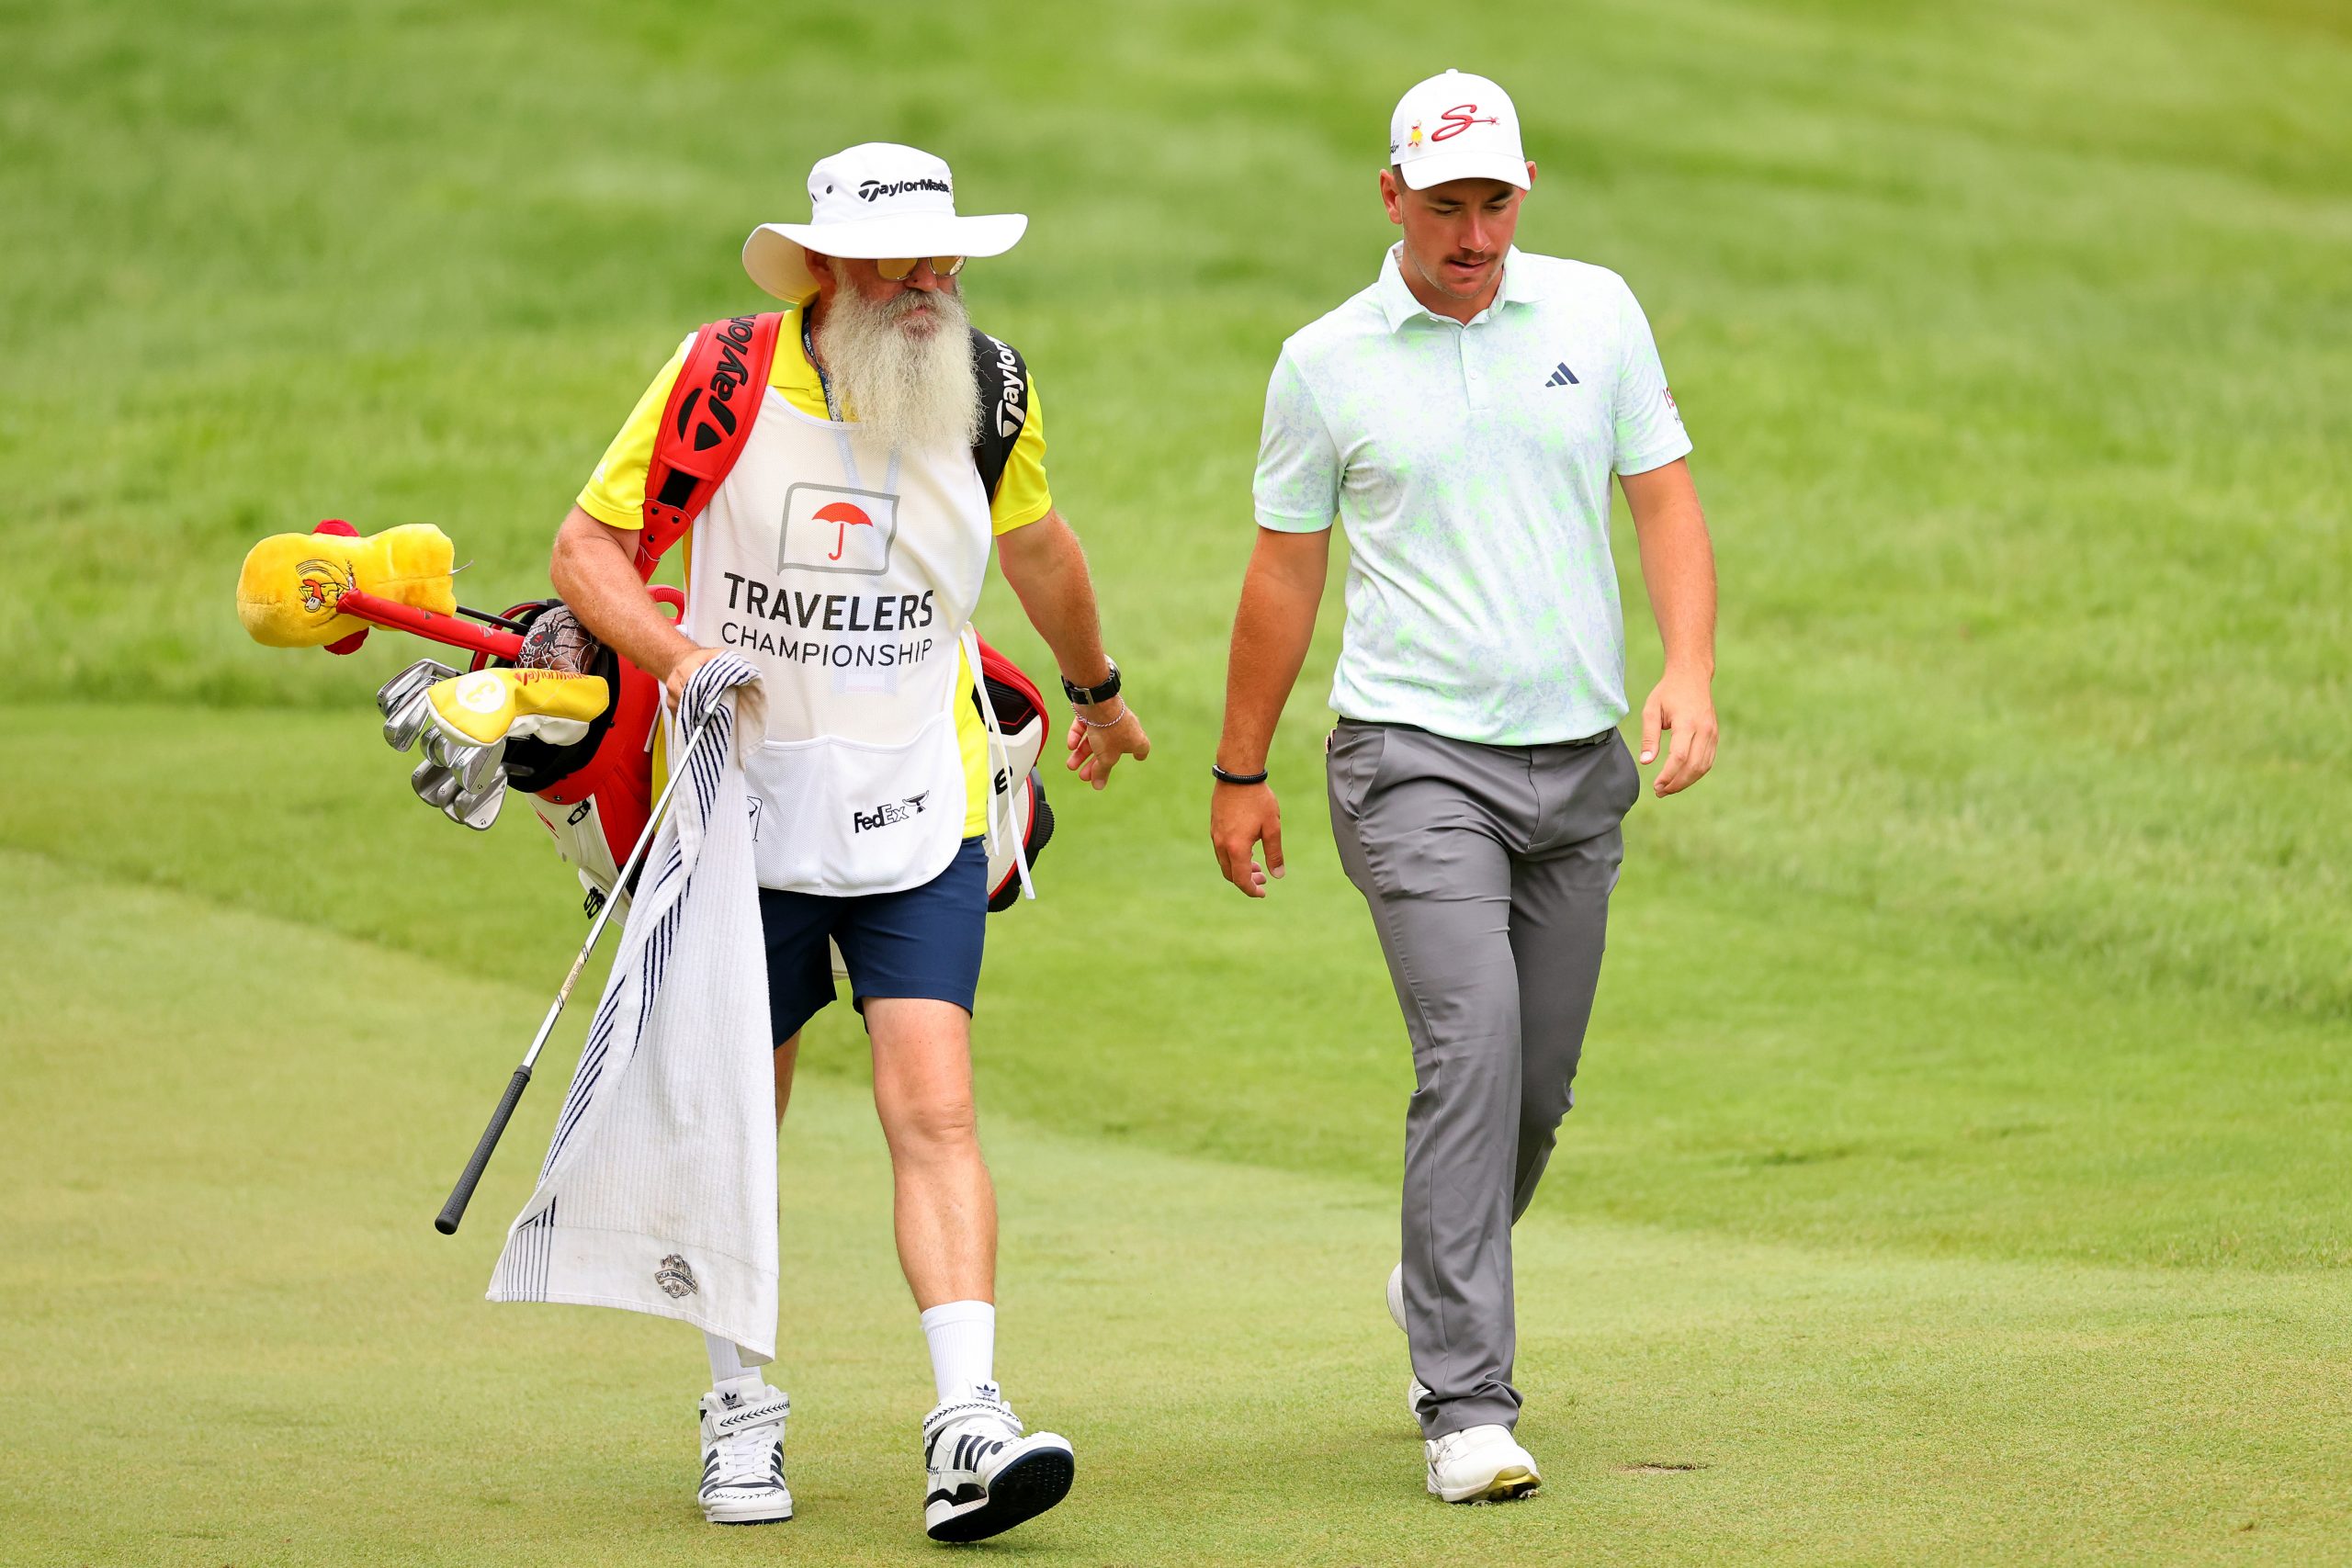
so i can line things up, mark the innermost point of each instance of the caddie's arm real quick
(1046, 569)
(594, 571)
(1279, 596)
(1678, 568)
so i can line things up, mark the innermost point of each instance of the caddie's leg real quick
(1559, 922)
(787, 1056)
(944, 1205)
(1423, 825)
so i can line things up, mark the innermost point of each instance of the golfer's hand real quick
(1093, 751)
(1242, 817)
(673, 685)
(1682, 706)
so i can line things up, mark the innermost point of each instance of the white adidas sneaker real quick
(1481, 1464)
(985, 1473)
(742, 1457)
(1415, 1390)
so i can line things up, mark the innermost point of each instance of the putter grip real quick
(463, 1192)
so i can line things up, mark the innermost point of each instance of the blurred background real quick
(1958, 1165)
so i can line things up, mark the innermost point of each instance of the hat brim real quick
(1436, 168)
(776, 253)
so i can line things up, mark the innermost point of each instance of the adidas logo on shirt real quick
(1563, 376)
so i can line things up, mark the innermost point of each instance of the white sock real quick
(728, 1372)
(962, 1337)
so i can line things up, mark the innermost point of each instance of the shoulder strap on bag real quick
(1004, 406)
(703, 427)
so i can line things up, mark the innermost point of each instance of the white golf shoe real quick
(1481, 1464)
(984, 1472)
(1415, 1390)
(742, 1457)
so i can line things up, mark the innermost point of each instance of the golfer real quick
(842, 556)
(1462, 417)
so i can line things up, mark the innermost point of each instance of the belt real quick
(1595, 739)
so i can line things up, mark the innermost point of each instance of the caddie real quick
(1462, 417)
(843, 554)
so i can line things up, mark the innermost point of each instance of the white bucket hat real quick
(877, 199)
(1456, 127)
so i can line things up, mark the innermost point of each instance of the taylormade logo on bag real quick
(875, 191)
(1011, 389)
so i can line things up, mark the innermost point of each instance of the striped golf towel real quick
(659, 1193)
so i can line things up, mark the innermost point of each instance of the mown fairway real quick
(1960, 1166)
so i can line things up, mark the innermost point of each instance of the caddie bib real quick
(846, 573)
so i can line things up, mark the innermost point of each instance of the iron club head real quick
(479, 808)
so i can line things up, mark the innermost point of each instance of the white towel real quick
(659, 1191)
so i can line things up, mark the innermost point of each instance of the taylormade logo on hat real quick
(1456, 127)
(875, 191)
(874, 200)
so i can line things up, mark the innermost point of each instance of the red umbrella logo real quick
(848, 517)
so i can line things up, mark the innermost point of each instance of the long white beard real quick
(915, 390)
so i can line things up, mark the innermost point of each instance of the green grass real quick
(1958, 1166)
(243, 1326)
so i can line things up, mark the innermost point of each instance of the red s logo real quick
(1459, 118)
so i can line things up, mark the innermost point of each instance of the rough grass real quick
(1957, 1170)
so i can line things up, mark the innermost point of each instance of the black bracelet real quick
(1223, 777)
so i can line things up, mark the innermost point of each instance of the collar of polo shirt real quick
(1522, 286)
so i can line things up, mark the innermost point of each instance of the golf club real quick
(401, 702)
(478, 808)
(462, 1194)
(435, 784)
(408, 683)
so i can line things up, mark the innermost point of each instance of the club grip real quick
(463, 1192)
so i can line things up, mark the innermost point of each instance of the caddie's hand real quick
(1242, 817)
(1682, 706)
(1096, 748)
(673, 685)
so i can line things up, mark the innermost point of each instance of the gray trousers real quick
(1488, 870)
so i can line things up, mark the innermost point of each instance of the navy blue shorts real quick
(923, 942)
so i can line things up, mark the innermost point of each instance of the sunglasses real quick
(897, 268)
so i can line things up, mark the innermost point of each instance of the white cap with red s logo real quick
(1456, 127)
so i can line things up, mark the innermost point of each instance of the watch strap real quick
(1087, 696)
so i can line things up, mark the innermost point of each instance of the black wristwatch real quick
(1087, 696)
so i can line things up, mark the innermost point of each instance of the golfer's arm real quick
(594, 571)
(1677, 563)
(1046, 566)
(1279, 595)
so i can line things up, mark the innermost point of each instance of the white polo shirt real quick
(1470, 467)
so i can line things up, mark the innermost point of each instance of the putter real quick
(463, 1192)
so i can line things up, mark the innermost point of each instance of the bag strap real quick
(709, 415)
(703, 427)
(1003, 383)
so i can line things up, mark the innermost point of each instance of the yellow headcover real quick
(290, 583)
(491, 706)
